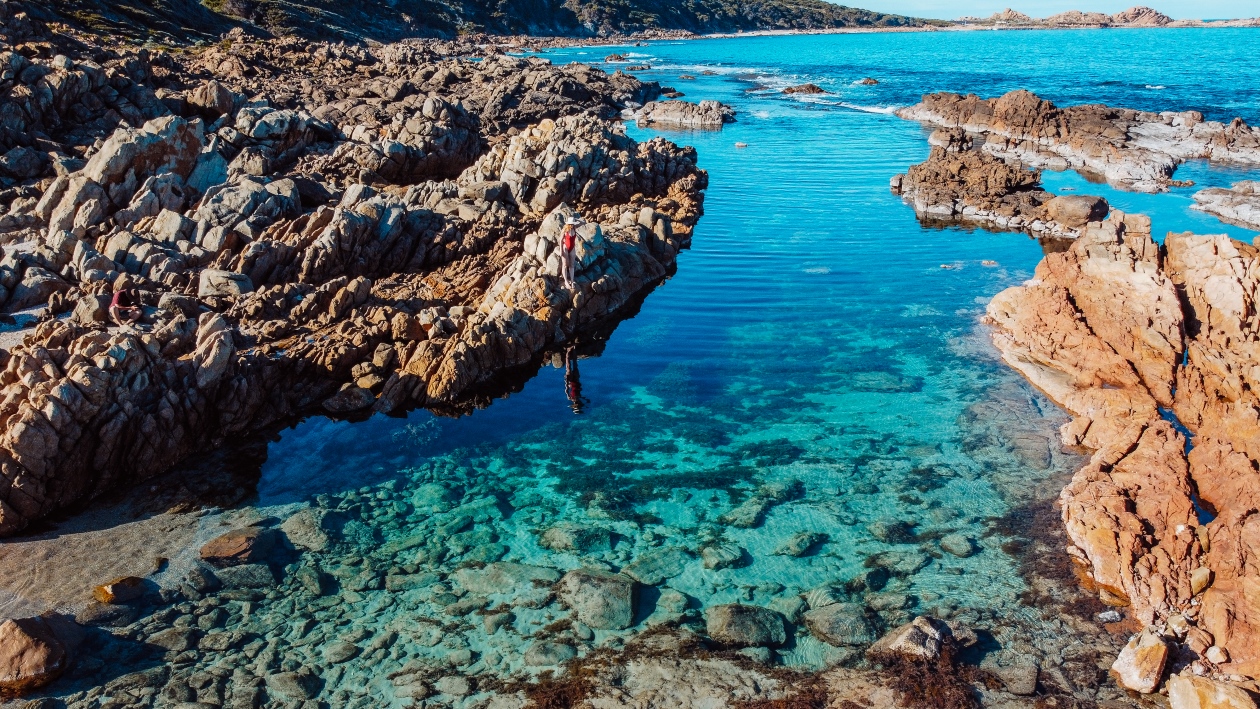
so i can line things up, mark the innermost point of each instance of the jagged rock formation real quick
(1131, 149)
(1118, 330)
(372, 230)
(707, 115)
(957, 183)
(1137, 16)
(392, 20)
(1238, 205)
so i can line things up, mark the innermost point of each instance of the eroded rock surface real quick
(958, 183)
(307, 226)
(682, 114)
(1239, 205)
(1120, 331)
(1137, 150)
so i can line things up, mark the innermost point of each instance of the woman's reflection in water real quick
(572, 382)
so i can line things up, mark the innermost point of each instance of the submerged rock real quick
(601, 599)
(300, 685)
(960, 545)
(840, 624)
(920, 639)
(574, 538)
(721, 556)
(741, 626)
(307, 529)
(652, 568)
(503, 577)
(543, 654)
(800, 544)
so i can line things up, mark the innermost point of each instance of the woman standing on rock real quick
(568, 245)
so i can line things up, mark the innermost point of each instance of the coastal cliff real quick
(382, 237)
(1146, 345)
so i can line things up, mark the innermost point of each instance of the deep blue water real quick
(810, 336)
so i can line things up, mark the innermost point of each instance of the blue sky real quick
(944, 9)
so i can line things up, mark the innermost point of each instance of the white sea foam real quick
(870, 109)
(1156, 88)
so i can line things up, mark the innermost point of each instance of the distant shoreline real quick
(1222, 24)
(631, 40)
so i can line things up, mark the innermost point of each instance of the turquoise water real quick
(811, 353)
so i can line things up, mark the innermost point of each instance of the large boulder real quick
(31, 655)
(745, 626)
(1077, 210)
(601, 600)
(242, 546)
(920, 639)
(223, 284)
(1140, 665)
(681, 114)
(36, 287)
(1190, 692)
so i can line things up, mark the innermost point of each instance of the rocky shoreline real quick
(1151, 348)
(1124, 333)
(958, 183)
(1134, 150)
(1238, 205)
(306, 226)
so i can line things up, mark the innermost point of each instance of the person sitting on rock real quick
(124, 308)
(568, 245)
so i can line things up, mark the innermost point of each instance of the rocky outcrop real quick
(383, 237)
(1136, 150)
(1136, 17)
(1239, 205)
(1120, 331)
(957, 183)
(681, 114)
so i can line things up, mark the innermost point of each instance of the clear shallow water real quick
(811, 351)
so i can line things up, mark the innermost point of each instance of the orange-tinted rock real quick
(242, 546)
(31, 656)
(1124, 515)
(1140, 665)
(1190, 692)
(120, 590)
(1101, 330)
